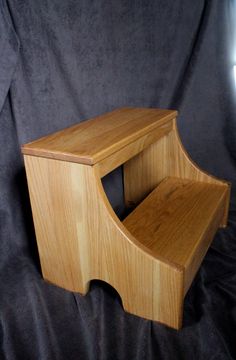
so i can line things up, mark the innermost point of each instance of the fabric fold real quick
(9, 50)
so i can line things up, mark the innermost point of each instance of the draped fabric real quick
(62, 62)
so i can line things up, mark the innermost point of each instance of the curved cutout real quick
(194, 172)
(164, 158)
(112, 291)
(115, 221)
(108, 288)
(133, 270)
(200, 175)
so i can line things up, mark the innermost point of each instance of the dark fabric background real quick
(64, 61)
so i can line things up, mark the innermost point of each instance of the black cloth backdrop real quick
(65, 61)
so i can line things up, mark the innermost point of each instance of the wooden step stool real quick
(152, 256)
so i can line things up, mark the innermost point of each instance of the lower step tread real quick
(174, 219)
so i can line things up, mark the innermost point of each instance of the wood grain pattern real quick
(164, 158)
(190, 207)
(145, 171)
(95, 139)
(123, 155)
(80, 238)
(150, 258)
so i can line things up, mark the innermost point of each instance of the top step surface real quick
(92, 141)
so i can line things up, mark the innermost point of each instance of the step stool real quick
(152, 256)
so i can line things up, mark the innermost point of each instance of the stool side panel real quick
(55, 220)
(148, 287)
(80, 239)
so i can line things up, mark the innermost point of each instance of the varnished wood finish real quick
(121, 156)
(162, 159)
(80, 238)
(150, 258)
(95, 139)
(190, 207)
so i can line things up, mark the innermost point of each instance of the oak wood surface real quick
(164, 158)
(121, 156)
(80, 238)
(175, 218)
(95, 139)
(150, 258)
